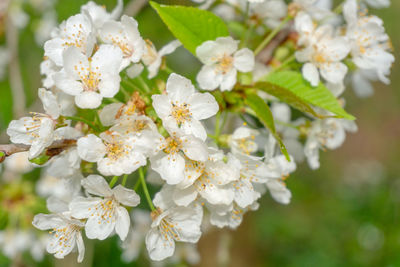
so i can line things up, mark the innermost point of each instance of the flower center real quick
(77, 39)
(116, 150)
(89, 78)
(173, 145)
(225, 64)
(105, 210)
(64, 235)
(181, 113)
(127, 50)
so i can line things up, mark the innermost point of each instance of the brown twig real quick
(54, 149)
(15, 75)
(267, 53)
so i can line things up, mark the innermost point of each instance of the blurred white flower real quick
(222, 60)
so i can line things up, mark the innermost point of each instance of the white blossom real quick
(104, 214)
(181, 107)
(37, 131)
(90, 79)
(322, 53)
(115, 154)
(369, 42)
(329, 133)
(212, 180)
(222, 60)
(173, 154)
(172, 224)
(76, 31)
(99, 15)
(153, 58)
(65, 235)
(126, 36)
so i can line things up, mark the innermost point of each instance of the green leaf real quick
(264, 114)
(41, 159)
(191, 26)
(287, 96)
(318, 96)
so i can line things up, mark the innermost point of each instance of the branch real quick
(15, 76)
(267, 53)
(54, 149)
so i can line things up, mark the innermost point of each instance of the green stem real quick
(136, 186)
(113, 181)
(285, 63)
(133, 86)
(144, 84)
(271, 35)
(90, 124)
(145, 190)
(217, 128)
(167, 69)
(124, 179)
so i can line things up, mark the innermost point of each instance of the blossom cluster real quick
(112, 109)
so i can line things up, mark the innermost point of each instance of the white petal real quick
(179, 88)
(67, 84)
(228, 80)
(81, 247)
(184, 197)
(194, 148)
(169, 166)
(91, 148)
(88, 100)
(158, 247)
(97, 185)
(162, 105)
(210, 51)
(122, 223)
(126, 196)
(109, 84)
(82, 208)
(99, 228)
(192, 127)
(76, 64)
(107, 59)
(187, 222)
(108, 113)
(310, 73)
(203, 106)
(50, 104)
(243, 60)
(47, 221)
(209, 78)
(334, 72)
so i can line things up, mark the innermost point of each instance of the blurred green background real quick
(345, 214)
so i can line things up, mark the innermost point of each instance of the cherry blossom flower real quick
(212, 180)
(115, 153)
(90, 79)
(153, 58)
(369, 42)
(181, 107)
(76, 31)
(172, 224)
(126, 36)
(37, 131)
(105, 214)
(169, 162)
(323, 51)
(328, 133)
(222, 60)
(99, 14)
(65, 235)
